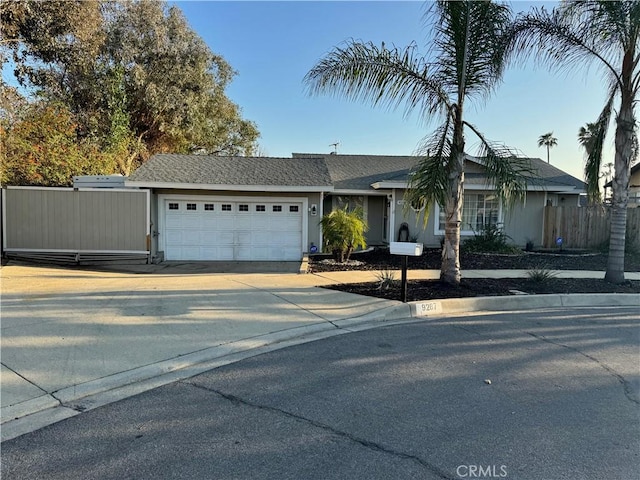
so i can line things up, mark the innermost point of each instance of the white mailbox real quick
(406, 248)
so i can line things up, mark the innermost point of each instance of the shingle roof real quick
(326, 172)
(233, 171)
(358, 172)
(551, 176)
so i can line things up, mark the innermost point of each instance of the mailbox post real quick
(406, 249)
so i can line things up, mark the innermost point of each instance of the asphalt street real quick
(547, 394)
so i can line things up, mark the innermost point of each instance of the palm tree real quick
(586, 137)
(465, 62)
(579, 34)
(549, 141)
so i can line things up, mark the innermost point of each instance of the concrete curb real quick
(47, 409)
(522, 302)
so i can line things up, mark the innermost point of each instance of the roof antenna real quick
(335, 148)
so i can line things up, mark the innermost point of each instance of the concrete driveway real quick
(69, 333)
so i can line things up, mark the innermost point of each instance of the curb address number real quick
(427, 308)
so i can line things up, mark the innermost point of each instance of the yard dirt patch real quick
(381, 260)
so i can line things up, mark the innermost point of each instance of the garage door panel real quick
(242, 231)
(225, 238)
(290, 239)
(209, 223)
(289, 223)
(260, 253)
(260, 222)
(173, 237)
(225, 223)
(208, 239)
(243, 222)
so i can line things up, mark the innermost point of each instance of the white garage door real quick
(232, 230)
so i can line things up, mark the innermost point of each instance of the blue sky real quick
(272, 45)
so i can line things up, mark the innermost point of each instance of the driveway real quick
(548, 394)
(68, 333)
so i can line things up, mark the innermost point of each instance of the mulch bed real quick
(477, 287)
(381, 260)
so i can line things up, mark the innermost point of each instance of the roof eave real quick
(484, 186)
(389, 184)
(239, 188)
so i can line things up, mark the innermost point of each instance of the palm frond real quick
(390, 77)
(507, 172)
(469, 45)
(564, 38)
(429, 181)
(593, 161)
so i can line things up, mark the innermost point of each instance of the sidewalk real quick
(75, 339)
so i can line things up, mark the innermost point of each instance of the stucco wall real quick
(522, 223)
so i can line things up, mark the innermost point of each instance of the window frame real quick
(465, 231)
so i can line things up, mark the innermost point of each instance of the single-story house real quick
(634, 187)
(263, 208)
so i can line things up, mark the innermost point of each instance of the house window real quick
(478, 210)
(243, 208)
(191, 206)
(351, 202)
(173, 206)
(208, 206)
(261, 208)
(277, 208)
(293, 208)
(226, 207)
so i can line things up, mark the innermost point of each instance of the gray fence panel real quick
(100, 220)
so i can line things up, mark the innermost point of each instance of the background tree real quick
(174, 83)
(133, 74)
(464, 62)
(576, 35)
(549, 141)
(42, 148)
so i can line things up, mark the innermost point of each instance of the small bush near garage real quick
(343, 232)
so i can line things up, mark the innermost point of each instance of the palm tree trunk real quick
(625, 128)
(620, 192)
(450, 270)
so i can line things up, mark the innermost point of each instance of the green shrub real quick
(490, 239)
(386, 279)
(540, 275)
(343, 231)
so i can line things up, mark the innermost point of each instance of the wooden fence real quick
(585, 227)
